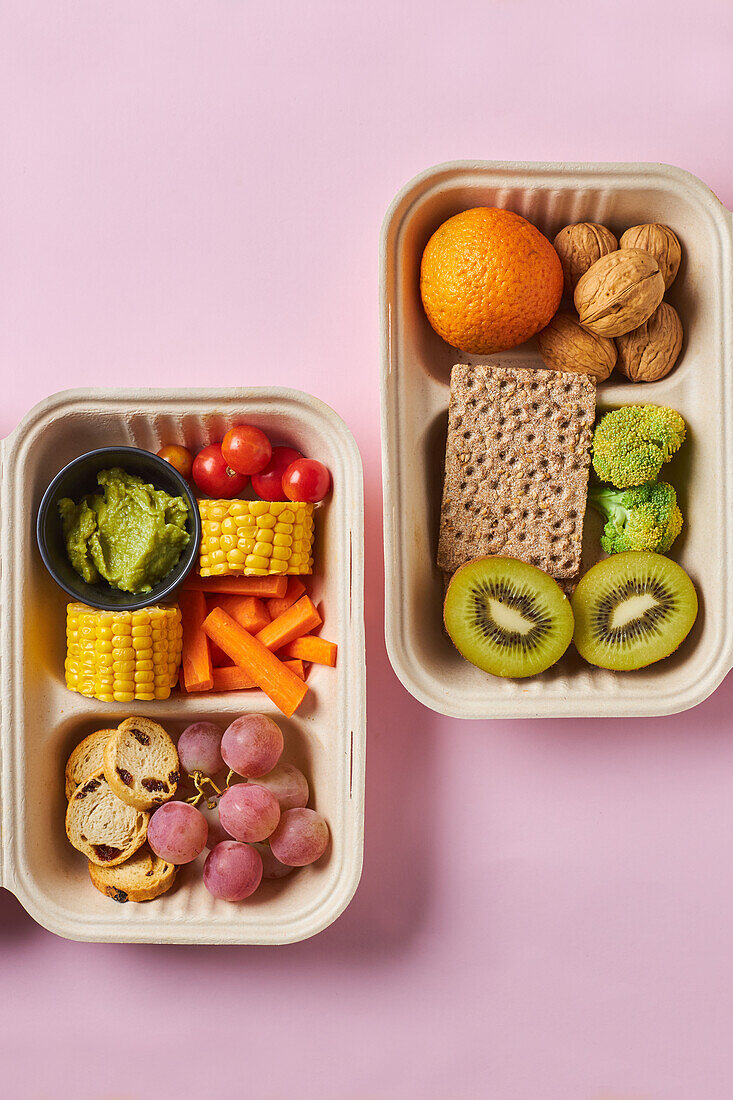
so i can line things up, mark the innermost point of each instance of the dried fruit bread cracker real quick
(516, 467)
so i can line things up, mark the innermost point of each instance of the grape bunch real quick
(259, 828)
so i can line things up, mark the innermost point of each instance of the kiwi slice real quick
(633, 609)
(507, 617)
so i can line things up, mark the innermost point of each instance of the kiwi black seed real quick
(507, 617)
(633, 609)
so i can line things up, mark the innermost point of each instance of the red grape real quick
(252, 745)
(300, 838)
(271, 865)
(232, 871)
(177, 832)
(248, 812)
(217, 832)
(288, 784)
(199, 748)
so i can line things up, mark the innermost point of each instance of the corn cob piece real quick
(118, 656)
(254, 538)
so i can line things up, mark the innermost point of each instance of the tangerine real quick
(489, 280)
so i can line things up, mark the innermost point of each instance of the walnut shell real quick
(619, 292)
(661, 243)
(650, 351)
(565, 345)
(579, 246)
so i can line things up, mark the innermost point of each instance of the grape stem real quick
(200, 781)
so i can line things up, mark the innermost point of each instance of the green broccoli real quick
(643, 518)
(631, 445)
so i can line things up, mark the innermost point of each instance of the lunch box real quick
(415, 378)
(41, 721)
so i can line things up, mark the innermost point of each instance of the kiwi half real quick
(632, 609)
(507, 617)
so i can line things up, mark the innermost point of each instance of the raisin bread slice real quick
(141, 878)
(141, 764)
(86, 759)
(102, 827)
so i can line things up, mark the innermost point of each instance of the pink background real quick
(191, 193)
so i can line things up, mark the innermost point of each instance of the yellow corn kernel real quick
(123, 656)
(255, 537)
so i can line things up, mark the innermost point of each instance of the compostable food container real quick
(415, 379)
(41, 721)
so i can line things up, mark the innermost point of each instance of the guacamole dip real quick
(131, 534)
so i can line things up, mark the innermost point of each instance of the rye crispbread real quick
(516, 467)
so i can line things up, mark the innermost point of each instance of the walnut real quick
(566, 345)
(650, 351)
(579, 246)
(661, 243)
(619, 292)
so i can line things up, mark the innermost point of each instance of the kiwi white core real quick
(508, 618)
(631, 609)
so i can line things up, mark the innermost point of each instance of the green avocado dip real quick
(131, 534)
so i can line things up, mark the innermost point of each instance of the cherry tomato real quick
(306, 480)
(214, 477)
(246, 449)
(269, 483)
(179, 458)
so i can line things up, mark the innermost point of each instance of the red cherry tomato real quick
(306, 480)
(214, 477)
(269, 483)
(246, 449)
(179, 458)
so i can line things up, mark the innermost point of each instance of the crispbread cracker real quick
(516, 467)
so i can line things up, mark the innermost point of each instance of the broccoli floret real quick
(631, 445)
(643, 518)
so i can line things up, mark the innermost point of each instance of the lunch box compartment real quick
(41, 721)
(415, 379)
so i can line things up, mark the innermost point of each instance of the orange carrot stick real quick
(309, 648)
(195, 659)
(249, 611)
(271, 587)
(219, 659)
(232, 678)
(295, 590)
(280, 684)
(299, 619)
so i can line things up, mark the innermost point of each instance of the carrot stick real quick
(295, 590)
(299, 619)
(195, 659)
(219, 659)
(271, 587)
(280, 684)
(249, 611)
(308, 648)
(232, 679)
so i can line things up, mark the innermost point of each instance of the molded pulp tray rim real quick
(310, 919)
(534, 175)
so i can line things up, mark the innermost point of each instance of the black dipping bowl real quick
(79, 478)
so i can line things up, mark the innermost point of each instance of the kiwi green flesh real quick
(631, 610)
(507, 617)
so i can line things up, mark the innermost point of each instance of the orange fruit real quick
(489, 280)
